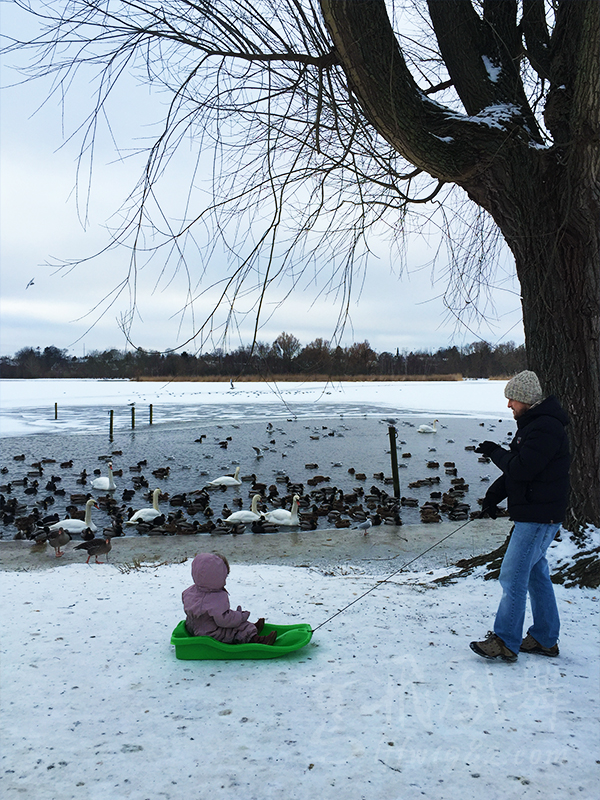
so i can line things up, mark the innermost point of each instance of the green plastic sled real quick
(289, 638)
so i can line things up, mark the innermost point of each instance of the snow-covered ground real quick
(386, 702)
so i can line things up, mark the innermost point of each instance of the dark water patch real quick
(356, 440)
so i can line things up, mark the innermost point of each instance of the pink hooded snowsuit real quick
(206, 604)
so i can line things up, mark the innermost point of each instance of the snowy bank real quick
(387, 701)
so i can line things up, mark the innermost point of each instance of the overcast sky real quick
(40, 225)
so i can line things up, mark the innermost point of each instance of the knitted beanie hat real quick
(524, 387)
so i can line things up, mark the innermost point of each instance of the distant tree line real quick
(285, 356)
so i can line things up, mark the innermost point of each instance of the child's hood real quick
(209, 572)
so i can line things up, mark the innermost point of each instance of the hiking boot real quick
(269, 639)
(530, 645)
(493, 647)
(259, 624)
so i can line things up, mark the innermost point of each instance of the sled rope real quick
(389, 577)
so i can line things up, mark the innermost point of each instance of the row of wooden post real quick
(111, 415)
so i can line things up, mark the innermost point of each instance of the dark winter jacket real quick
(536, 468)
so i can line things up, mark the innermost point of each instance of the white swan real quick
(104, 484)
(147, 514)
(78, 525)
(428, 428)
(282, 517)
(227, 480)
(244, 515)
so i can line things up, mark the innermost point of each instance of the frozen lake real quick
(338, 427)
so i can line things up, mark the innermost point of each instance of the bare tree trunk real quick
(561, 303)
(551, 224)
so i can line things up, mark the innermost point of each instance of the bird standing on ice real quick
(227, 480)
(105, 484)
(428, 428)
(364, 526)
(96, 547)
(58, 538)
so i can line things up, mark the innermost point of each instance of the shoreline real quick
(383, 549)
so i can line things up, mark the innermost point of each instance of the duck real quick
(262, 526)
(78, 525)
(96, 547)
(105, 484)
(147, 514)
(428, 428)
(227, 480)
(244, 515)
(280, 516)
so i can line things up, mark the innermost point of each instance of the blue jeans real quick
(525, 569)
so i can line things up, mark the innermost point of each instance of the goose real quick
(96, 547)
(428, 428)
(227, 480)
(282, 517)
(105, 484)
(147, 514)
(244, 515)
(78, 525)
(59, 538)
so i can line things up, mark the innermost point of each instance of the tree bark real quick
(556, 252)
(545, 200)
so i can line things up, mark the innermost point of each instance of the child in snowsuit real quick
(207, 609)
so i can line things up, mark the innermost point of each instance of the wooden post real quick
(150, 413)
(394, 457)
(132, 417)
(111, 415)
(55, 410)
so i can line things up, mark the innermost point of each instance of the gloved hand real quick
(489, 509)
(486, 448)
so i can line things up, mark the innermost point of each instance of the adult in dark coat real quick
(535, 479)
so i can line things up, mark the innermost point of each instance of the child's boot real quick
(259, 624)
(269, 639)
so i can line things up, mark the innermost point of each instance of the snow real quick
(497, 115)
(387, 701)
(27, 406)
(493, 70)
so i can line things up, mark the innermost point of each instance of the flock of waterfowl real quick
(27, 502)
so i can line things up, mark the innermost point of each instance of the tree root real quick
(583, 570)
